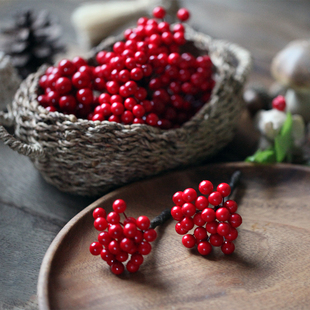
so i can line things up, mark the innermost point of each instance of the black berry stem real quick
(161, 218)
(234, 182)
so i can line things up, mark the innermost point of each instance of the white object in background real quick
(291, 68)
(9, 81)
(270, 122)
(94, 21)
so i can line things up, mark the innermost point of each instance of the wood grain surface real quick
(270, 268)
(33, 212)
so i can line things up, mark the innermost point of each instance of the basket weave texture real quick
(89, 158)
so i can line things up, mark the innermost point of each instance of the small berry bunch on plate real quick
(120, 242)
(213, 220)
(145, 79)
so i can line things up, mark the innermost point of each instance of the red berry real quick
(144, 248)
(231, 205)
(189, 195)
(138, 110)
(127, 117)
(104, 98)
(143, 222)
(235, 220)
(228, 247)
(178, 198)
(130, 230)
(215, 198)
(132, 267)
(200, 233)
(198, 220)
(137, 259)
(136, 74)
(105, 109)
(201, 203)
(119, 206)
(95, 248)
(152, 119)
(141, 93)
(113, 218)
(99, 212)
(189, 241)
(67, 104)
(208, 215)
(188, 209)
(187, 223)
(178, 28)
(204, 248)
(150, 235)
(216, 240)
(139, 236)
(122, 256)
(232, 235)
(212, 227)
(129, 219)
(124, 76)
(117, 268)
(114, 118)
(80, 79)
(224, 189)
(104, 238)
(52, 98)
(116, 231)
(223, 229)
(117, 108)
(114, 247)
(79, 62)
(66, 67)
(177, 213)
(159, 12)
(100, 223)
(205, 187)
(112, 87)
(183, 14)
(51, 109)
(129, 103)
(222, 214)
(126, 244)
(180, 229)
(85, 96)
(106, 255)
(279, 103)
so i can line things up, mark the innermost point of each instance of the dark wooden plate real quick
(270, 268)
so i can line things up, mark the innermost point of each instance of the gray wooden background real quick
(32, 211)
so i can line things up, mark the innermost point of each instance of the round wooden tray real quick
(270, 268)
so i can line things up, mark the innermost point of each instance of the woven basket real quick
(90, 157)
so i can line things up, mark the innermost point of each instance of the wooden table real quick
(33, 212)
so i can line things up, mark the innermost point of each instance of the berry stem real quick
(233, 182)
(161, 218)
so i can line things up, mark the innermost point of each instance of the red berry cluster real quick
(216, 223)
(120, 242)
(145, 79)
(279, 103)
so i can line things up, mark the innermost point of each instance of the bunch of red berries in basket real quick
(214, 217)
(120, 242)
(144, 79)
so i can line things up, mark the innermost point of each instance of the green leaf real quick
(262, 157)
(283, 141)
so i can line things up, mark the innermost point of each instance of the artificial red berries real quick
(120, 242)
(151, 80)
(213, 218)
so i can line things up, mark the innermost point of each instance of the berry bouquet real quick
(155, 98)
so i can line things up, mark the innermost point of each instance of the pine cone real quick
(32, 41)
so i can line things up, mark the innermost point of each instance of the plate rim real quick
(45, 268)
